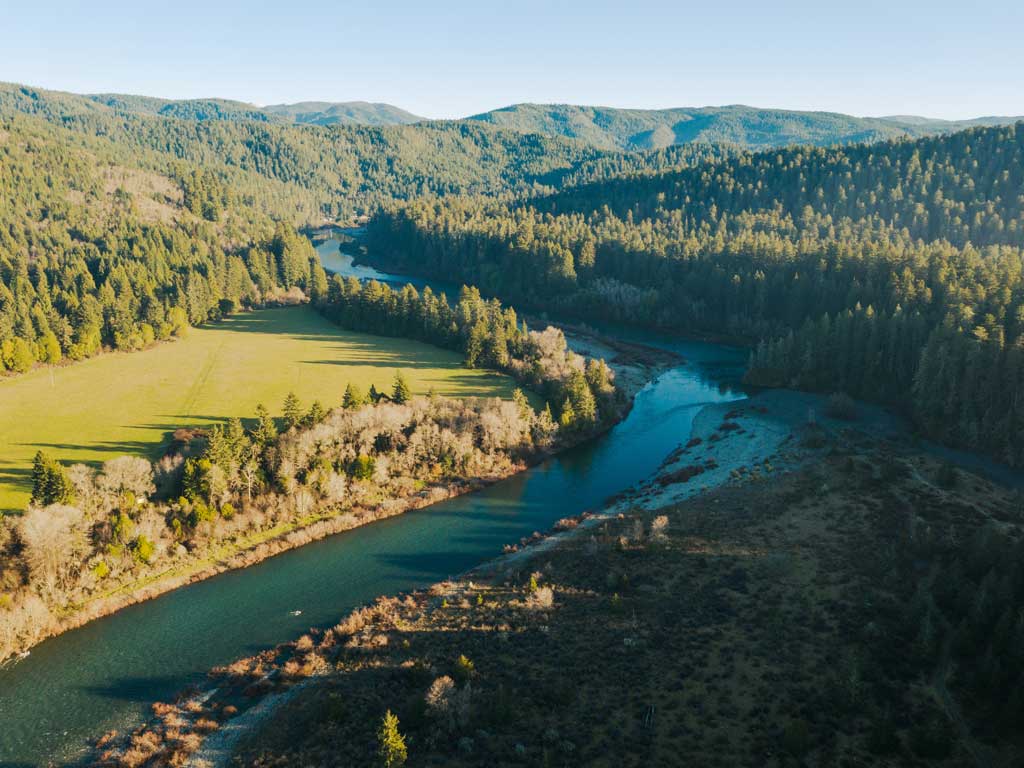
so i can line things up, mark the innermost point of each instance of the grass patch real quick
(127, 403)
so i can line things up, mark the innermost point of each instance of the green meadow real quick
(122, 403)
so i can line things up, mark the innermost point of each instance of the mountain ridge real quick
(605, 128)
(751, 127)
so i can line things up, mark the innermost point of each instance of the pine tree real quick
(353, 398)
(567, 418)
(523, 404)
(391, 748)
(584, 405)
(50, 483)
(265, 431)
(292, 411)
(316, 414)
(400, 392)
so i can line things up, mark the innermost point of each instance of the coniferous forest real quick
(828, 587)
(891, 271)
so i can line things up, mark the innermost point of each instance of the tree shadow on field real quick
(392, 362)
(118, 447)
(15, 478)
(289, 321)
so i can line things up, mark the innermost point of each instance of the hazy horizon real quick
(462, 58)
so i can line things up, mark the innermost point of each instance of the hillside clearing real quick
(128, 403)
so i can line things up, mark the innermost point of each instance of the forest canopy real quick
(890, 271)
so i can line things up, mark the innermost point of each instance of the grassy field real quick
(128, 403)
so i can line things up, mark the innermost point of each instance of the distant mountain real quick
(307, 112)
(187, 109)
(343, 113)
(751, 127)
(604, 128)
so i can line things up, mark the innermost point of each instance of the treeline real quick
(889, 271)
(90, 532)
(95, 256)
(581, 394)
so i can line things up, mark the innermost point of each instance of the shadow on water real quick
(135, 689)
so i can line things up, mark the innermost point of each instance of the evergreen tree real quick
(400, 392)
(50, 483)
(391, 749)
(265, 431)
(567, 416)
(354, 397)
(292, 411)
(316, 414)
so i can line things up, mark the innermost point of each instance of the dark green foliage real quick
(265, 430)
(489, 335)
(50, 484)
(891, 272)
(946, 477)
(353, 398)
(400, 392)
(796, 738)
(82, 268)
(750, 127)
(292, 411)
(303, 173)
(316, 414)
(362, 467)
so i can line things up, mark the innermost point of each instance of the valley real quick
(547, 434)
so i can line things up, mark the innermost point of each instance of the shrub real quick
(143, 549)
(542, 599)
(464, 669)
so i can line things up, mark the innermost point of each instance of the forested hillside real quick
(892, 271)
(312, 112)
(304, 172)
(94, 254)
(749, 127)
(344, 113)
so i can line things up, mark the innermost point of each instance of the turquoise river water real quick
(106, 674)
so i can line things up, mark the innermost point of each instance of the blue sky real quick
(450, 59)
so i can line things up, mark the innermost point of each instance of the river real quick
(106, 674)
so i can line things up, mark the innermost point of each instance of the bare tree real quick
(54, 538)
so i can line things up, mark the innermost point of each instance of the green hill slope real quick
(343, 113)
(750, 127)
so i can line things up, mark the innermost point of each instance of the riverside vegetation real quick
(861, 610)
(124, 402)
(90, 540)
